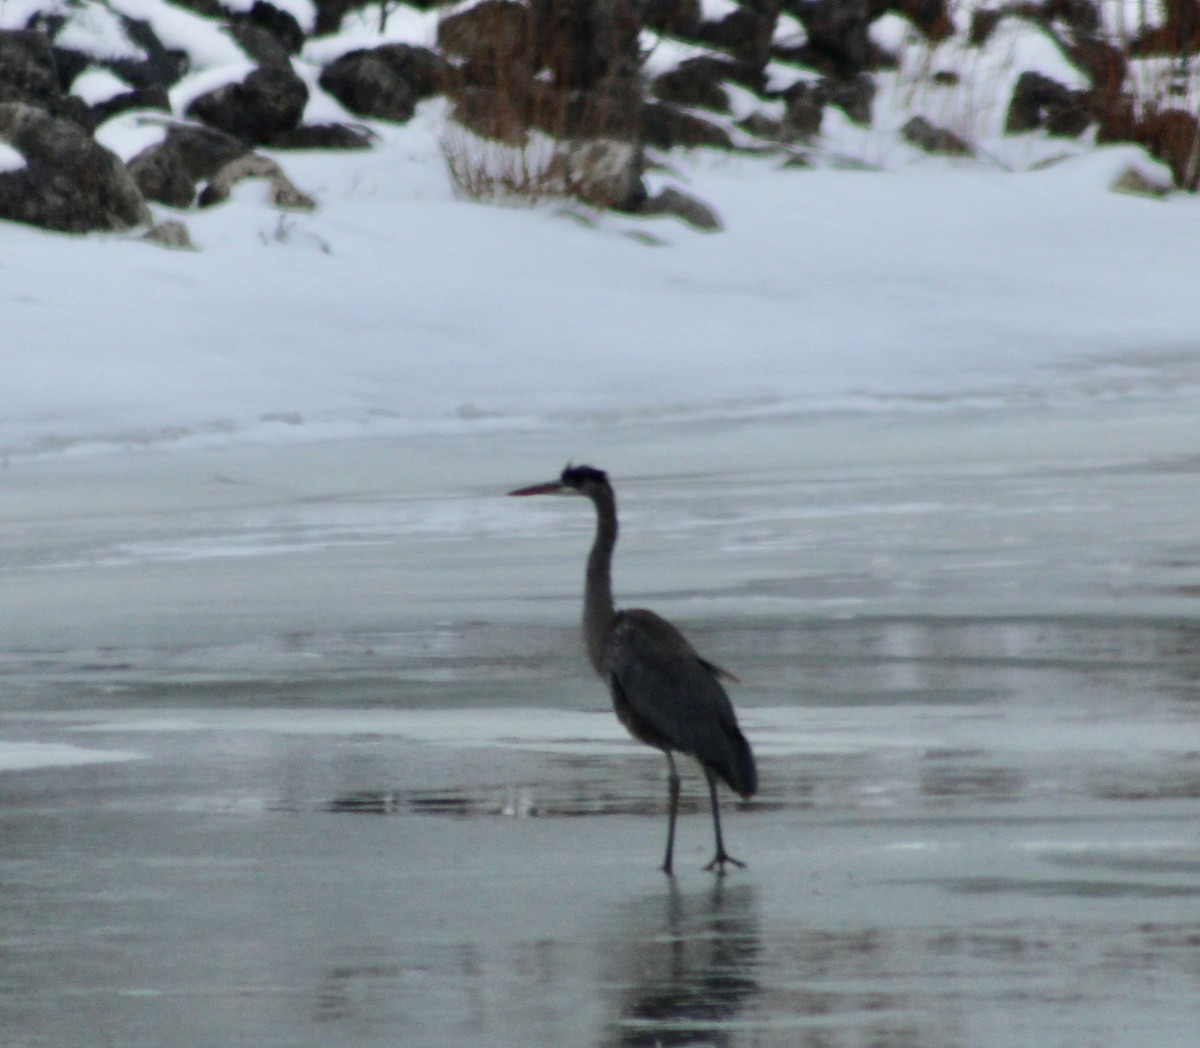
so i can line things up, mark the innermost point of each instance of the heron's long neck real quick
(598, 607)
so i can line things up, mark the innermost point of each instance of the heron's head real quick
(575, 480)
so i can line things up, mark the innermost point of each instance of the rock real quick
(260, 45)
(745, 32)
(1039, 102)
(139, 98)
(281, 24)
(931, 17)
(28, 73)
(27, 69)
(854, 96)
(935, 140)
(69, 65)
(796, 162)
(69, 182)
(680, 18)
(162, 177)
(284, 194)
(162, 67)
(170, 171)
(838, 41)
(323, 136)
(804, 106)
(203, 151)
(695, 82)
(666, 127)
(384, 82)
(157, 68)
(1133, 181)
(983, 23)
(762, 126)
(270, 100)
(329, 15)
(674, 202)
(172, 234)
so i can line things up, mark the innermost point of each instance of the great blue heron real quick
(663, 692)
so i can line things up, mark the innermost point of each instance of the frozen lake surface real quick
(300, 748)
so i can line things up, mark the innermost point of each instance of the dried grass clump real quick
(534, 117)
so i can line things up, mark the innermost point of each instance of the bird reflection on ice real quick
(687, 967)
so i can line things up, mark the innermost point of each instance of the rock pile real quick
(573, 69)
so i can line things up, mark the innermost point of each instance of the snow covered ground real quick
(397, 310)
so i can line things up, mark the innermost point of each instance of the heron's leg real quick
(672, 809)
(722, 856)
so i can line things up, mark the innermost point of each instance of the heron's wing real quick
(672, 698)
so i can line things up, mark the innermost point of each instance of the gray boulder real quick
(69, 182)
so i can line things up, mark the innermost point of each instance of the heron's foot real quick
(668, 869)
(720, 859)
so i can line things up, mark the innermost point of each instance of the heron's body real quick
(664, 693)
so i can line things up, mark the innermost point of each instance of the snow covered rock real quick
(696, 82)
(1040, 102)
(667, 127)
(681, 18)
(270, 100)
(745, 32)
(324, 136)
(937, 141)
(675, 202)
(170, 171)
(804, 107)
(283, 192)
(384, 82)
(69, 182)
(838, 42)
(28, 73)
(854, 96)
(1138, 183)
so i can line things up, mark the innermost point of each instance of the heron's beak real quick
(554, 487)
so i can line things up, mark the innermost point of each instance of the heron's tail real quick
(737, 768)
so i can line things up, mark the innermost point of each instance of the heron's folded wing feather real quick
(676, 694)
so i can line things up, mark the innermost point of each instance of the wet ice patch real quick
(25, 756)
(512, 728)
(774, 732)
